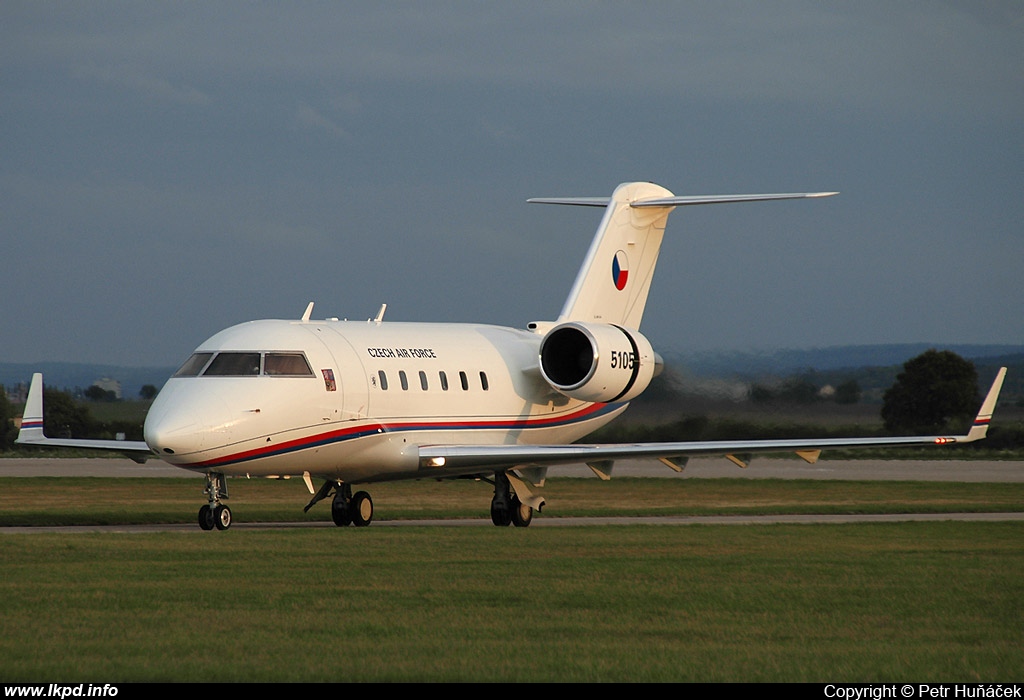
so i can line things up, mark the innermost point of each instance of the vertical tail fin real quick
(615, 279)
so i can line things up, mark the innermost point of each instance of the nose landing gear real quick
(215, 514)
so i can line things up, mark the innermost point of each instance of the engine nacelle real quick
(597, 362)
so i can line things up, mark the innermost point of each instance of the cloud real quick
(308, 118)
(148, 86)
(241, 158)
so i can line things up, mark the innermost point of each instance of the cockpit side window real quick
(194, 365)
(234, 364)
(286, 364)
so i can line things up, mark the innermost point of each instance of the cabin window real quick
(286, 364)
(194, 365)
(234, 364)
(404, 380)
(483, 380)
(423, 380)
(465, 381)
(383, 380)
(444, 380)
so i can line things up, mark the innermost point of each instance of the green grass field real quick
(937, 601)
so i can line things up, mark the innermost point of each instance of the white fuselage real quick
(372, 394)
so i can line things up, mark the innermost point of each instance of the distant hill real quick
(753, 364)
(874, 367)
(69, 375)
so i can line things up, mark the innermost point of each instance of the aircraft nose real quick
(178, 432)
(179, 422)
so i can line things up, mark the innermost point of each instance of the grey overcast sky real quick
(168, 169)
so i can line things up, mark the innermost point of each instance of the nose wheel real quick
(215, 514)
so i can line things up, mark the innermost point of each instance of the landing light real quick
(435, 462)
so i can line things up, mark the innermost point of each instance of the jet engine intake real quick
(597, 362)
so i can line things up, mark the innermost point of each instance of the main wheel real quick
(206, 519)
(340, 511)
(361, 509)
(522, 514)
(500, 515)
(222, 517)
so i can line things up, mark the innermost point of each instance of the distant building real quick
(110, 385)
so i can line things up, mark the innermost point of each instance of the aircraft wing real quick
(31, 432)
(467, 458)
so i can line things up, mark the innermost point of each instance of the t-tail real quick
(615, 278)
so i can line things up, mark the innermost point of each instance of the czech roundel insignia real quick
(329, 382)
(620, 270)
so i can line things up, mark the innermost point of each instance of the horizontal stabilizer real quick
(682, 201)
(725, 199)
(613, 284)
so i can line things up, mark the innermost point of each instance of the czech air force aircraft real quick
(351, 403)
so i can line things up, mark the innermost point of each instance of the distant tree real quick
(848, 392)
(63, 417)
(792, 390)
(148, 392)
(6, 427)
(799, 390)
(98, 393)
(933, 388)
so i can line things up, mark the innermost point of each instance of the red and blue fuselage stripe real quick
(376, 428)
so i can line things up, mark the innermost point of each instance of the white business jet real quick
(352, 403)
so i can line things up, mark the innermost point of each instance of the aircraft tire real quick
(361, 509)
(340, 512)
(222, 517)
(522, 514)
(502, 517)
(206, 520)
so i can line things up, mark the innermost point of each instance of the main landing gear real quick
(215, 513)
(506, 508)
(346, 509)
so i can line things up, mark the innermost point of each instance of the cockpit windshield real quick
(234, 364)
(246, 364)
(286, 364)
(194, 365)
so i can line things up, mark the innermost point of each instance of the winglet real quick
(988, 407)
(31, 432)
(32, 418)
